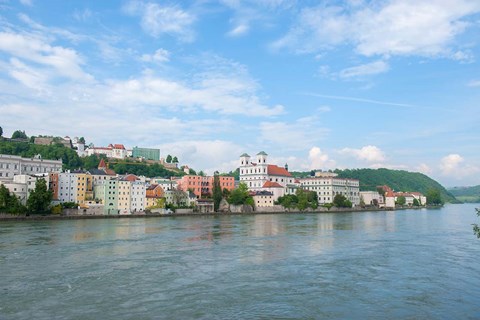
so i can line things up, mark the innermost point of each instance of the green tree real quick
(81, 140)
(175, 159)
(416, 203)
(217, 192)
(169, 159)
(240, 195)
(201, 173)
(401, 201)
(476, 228)
(340, 201)
(19, 135)
(9, 203)
(40, 198)
(1, 131)
(434, 197)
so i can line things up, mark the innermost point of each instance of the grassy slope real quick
(466, 194)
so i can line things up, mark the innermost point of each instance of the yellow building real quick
(84, 187)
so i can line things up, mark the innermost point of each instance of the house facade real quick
(327, 187)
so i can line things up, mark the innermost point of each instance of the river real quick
(409, 264)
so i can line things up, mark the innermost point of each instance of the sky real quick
(315, 84)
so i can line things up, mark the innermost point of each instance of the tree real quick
(81, 140)
(217, 193)
(19, 135)
(434, 197)
(201, 173)
(401, 201)
(340, 201)
(476, 228)
(240, 195)
(9, 203)
(169, 159)
(416, 203)
(1, 131)
(40, 198)
(175, 159)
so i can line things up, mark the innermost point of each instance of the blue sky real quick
(317, 84)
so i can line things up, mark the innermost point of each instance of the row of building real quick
(269, 182)
(109, 193)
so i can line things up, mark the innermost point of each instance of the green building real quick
(147, 153)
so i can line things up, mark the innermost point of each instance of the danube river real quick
(412, 264)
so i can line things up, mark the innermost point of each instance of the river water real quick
(412, 264)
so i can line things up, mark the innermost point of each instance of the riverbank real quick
(5, 217)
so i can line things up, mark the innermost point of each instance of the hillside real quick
(398, 180)
(72, 161)
(466, 194)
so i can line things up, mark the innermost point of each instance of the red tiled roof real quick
(102, 164)
(270, 184)
(277, 171)
(131, 177)
(119, 146)
(110, 172)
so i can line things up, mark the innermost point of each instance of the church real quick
(258, 174)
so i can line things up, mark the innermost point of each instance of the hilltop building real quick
(11, 166)
(146, 153)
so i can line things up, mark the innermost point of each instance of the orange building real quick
(53, 184)
(203, 186)
(153, 193)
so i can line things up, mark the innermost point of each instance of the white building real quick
(67, 187)
(263, 199)
(327, 187)
(256, 173)
(15, 165)
(372, 198)
(116, 151)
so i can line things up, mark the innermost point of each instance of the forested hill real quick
(398, 180)
(466, 194)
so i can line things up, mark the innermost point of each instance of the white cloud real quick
(453, 165)
(27, 2)
(293, 135)
(369, 153)
(158, 20)
(65, 61)
(160, 55)
(239, 30)
(206, 155)
(474, 83)
(215, 93)
(394, 27)
(367, 69)
(424, 168)
(319, 160)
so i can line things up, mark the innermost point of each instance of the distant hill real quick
(466, 194)
(398, 180)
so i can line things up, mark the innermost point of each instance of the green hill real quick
(466, 194)
(398, 180)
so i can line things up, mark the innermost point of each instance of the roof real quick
(270, 184)
(274, 170)
(152, 187)
(119, 146)
(245, 155)
(262, 153)
(262, 193)
(97, 172)
(102, 164)
(130, 177)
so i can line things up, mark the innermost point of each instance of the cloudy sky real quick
(317, 84)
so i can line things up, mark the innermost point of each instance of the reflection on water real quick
(376, 265)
